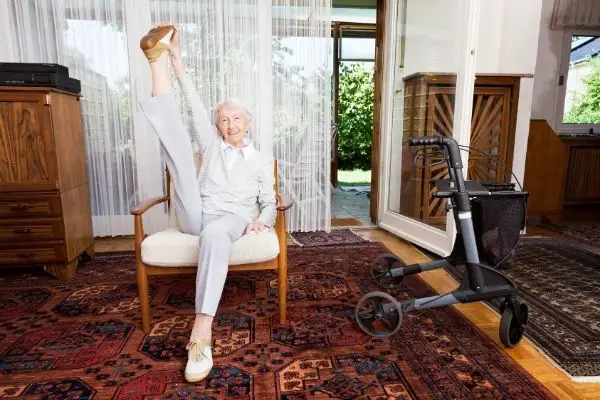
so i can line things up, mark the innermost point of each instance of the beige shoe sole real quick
(196, 377)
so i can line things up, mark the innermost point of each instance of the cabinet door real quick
(27, 160)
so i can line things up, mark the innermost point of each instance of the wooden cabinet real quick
(45, 215)
(545, 169)
(582, 180)
(429, 102)
(560, 170)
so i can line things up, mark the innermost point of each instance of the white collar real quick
(247, 150)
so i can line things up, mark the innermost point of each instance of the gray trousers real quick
(216, 233)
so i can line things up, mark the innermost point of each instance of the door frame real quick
(420, 234)
(380, 52)
(359, 30)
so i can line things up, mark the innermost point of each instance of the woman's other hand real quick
(175, 50)
(255, 227)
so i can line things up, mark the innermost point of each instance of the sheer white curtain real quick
(273, 56)
(90, 38)
(221, 47)
(276, 57)
(302, 101)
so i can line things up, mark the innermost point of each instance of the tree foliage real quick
(355, 129)
(586, 105)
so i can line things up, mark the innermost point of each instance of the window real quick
(358, 49)
(578, 109)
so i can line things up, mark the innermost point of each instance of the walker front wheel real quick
(512, 328)
(378, 314)
(381, 271)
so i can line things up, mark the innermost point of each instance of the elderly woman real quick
(220, 204)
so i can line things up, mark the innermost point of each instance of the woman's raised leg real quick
(162, 112)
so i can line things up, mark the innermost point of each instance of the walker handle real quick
(443, 141)
(424, 141)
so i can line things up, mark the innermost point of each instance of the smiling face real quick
(233, 123)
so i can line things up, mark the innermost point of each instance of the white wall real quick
(547, 67)
(508, 33)
(507, 44)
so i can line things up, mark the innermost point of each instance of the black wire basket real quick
(498, 221)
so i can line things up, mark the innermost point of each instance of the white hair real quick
(232, 102)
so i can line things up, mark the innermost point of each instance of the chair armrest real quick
(284, 202)
(146, 205)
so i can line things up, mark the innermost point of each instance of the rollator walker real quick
(489, 220)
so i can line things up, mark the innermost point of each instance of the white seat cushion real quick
(172, 248)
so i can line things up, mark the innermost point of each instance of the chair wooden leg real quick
(282, 286)
(282, 271)
(142, 276)
(144, 295)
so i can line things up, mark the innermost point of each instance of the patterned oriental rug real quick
(561, 284)
(81, 340)
(586, 233)
(321, 238)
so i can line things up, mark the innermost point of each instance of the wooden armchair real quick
(171, 252)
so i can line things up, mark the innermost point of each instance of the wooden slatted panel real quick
(583, 177)
(430, 112)
(440, 118)
(489, 139)
(409, 180)
(488, 126)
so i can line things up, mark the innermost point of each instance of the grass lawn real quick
(354, 178)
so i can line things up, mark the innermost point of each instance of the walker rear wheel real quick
(381, 271)
(379, 314)
(511, 328)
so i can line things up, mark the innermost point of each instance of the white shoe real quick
(199, 362)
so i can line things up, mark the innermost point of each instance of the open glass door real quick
(428, 91)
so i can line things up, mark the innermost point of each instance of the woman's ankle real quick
(202, 329)
(201, 332)
(161, 82)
